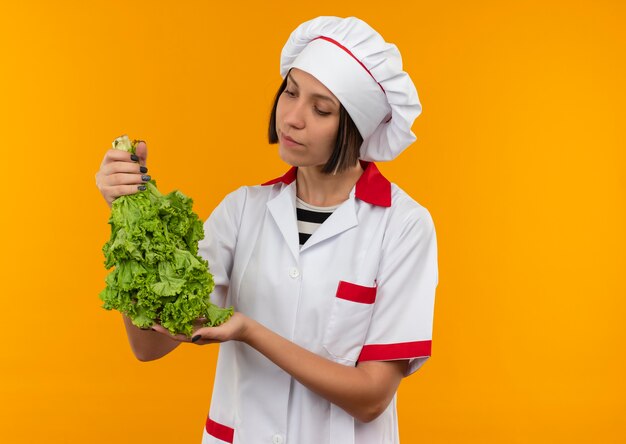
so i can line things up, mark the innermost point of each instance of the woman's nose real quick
(295, 115)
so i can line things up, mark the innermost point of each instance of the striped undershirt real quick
(310, 218)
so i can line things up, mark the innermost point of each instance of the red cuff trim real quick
(356, 293)
(391, 352)
(219, 431)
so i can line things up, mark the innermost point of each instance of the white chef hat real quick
(365, 73)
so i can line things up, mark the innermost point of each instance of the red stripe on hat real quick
(390, 352)
(219, 431)
(335, 42)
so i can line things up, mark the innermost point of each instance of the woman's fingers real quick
(114, 155)
(122, 173)
(197, 337)
(125, 179)
(199, 340)
(114, 192)
(201, 335)
(122, 167)
(166, 332)
(230, 330)
(113, 186)
(141, 151)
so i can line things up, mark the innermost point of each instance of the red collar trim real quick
(286, 178)
(372, 187)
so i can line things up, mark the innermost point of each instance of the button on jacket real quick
(361, 288)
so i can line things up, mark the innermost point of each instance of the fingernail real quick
(145, 178)
(134, 158)
(141, 188)
(195, 338)
(143, 169)
(139, 141)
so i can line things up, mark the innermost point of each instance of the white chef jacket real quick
(361, 288)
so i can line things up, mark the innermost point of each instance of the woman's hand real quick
(364, 390)
(234, 329)
(120, 174)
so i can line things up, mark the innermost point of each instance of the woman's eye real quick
(289, 93)
(321, 113)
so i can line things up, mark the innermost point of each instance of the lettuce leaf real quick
(158, 276)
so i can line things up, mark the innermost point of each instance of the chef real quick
(331, 268)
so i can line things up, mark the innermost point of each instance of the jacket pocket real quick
(349, 321)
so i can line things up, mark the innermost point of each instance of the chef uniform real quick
(361, 288)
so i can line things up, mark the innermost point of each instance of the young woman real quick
(332, 269)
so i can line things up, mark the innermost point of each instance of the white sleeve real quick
(402, 321)
(220, 240)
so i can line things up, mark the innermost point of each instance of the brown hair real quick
(349, 140)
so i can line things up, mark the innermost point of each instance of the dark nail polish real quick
(195, 338)
(145, 178)
(143, 169)
(134, 158)
(141, 188)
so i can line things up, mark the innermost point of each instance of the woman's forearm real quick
(363, 391)
(148, 345)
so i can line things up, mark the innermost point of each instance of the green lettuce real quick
(158, 276)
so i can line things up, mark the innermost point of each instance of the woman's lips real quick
(288, 141)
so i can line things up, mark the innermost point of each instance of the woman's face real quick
(307, 121)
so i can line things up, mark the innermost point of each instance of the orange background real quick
(520, 159)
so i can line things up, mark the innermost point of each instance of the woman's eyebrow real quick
(315, 95)
(291, 78)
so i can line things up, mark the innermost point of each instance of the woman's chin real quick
(290, 157)
(297, 159)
